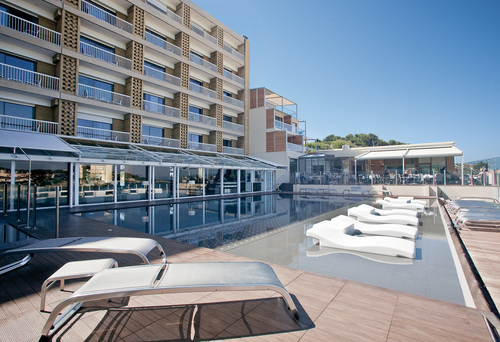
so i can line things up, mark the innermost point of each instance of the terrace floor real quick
(330, 309)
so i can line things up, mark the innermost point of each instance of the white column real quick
(238, 179)
(115, 184)
(175, 180)
(462, 169)
(221, 182)
(71, 182)
(150, 182)
(12, 184)
(355, 171)
(76, 185)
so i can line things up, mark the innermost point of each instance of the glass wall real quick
(212, 182)
(163, 182)
(191, 182)
(258, 184)
(4, 178)
(96, 183)
(230, 181)
(132, 182)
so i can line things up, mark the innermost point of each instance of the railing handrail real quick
(235, 102)
(233, 150)
(202, 90)
(233, 51)
(294, 147)
(40, 126)
(199, 30)
(27, 27)
(202, 62)
(119, 97)
(163, 44)
(162, 8)
(202, 146)
(113, 135)
(285, 126)
(165, 77)
(117, 59)
(233, 126)
(234, 77)
(168, 142)
(119, 23)
(165, 110)
(208, 120)
(30, 77)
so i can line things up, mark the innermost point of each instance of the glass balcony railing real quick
(162, 76)
(163, 44)
(154, 107)
(163, 9)
(29, 28)
(106, 56)
(159, 141)
(233, 126)
(285, 127)
(202, 147)
(103, 95)
(233, 52)
(106, 17)
(204, 34)
(282, 109)
(207, 120)
(202, 90)
(234, 77)
(233, 150)
(232, 101)
(22, 124)
(203, 63)
(101, 134)
(294, 147)
(36, 79)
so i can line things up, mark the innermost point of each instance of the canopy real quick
(434, 152)
(393, 154)
(33, 141)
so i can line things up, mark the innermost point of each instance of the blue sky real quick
(415, 71)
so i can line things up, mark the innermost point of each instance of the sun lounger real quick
(137, 246)
(385, 212)
(406, 200)
(400, 205)
(316, 251)
(342, 236)
(168, 278)
(388, 229)
(370, 216)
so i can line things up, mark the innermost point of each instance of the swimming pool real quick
(272, 228)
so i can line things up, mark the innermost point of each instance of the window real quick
(193, 81)
(95, 83)
(226, 143)
(17, 62)
(152, 131)
(195, 138)
(154, 99)
(227, 118)
(159, 36)
(228, 70)
(99, 12)
(93, 124)
(154, 66)
(19, 111)
(196, 110)
(199, 55)
(11, 23)
(278, 118)
(96, 44)
(227, 93)
(93, 129)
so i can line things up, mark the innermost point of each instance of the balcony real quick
(103, 95)
(163, 44)
(163, 9)
(234, 77)
(203, 63)
(36, 79)
(233, 150)
(202, 147)
(204, 34)
(29, 28)
(158, 141)
(233, 52)
(294, 147)
(233, 126)
(157, 108)
(202, 90)
(285, 127)
(106, 56)
(21, 124)
(282, 109)
(207, 120)
(101, 134)
(106, 17)
(232, 101)
(162, 76)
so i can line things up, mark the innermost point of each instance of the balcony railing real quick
(202, 90)
(22, 124)
(233, 126)
(103, 95)
(154, 107)
(29, 28)
(163, 9)
(285, 127)
(107, 17)
(163, 44)
(233, 150)
(294, 147)
(233, 52)
(234, 102)
(202, 147)
(36, 79)
(234, 77)
(283, 109)
(158, 141)
(203, 63)
(204, 34)
(101, 134)
(106, 56)
(207, 120)
(162, 76)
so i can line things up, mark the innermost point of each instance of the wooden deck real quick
(330, 309)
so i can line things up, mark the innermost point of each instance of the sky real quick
(415, 71)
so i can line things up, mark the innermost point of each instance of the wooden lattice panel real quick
(220, 37)
(70, 31)
(183, 135)
(69, 75)
(137, 20)
(136, 96)
(66, 119)
(135, 128)
(72, 3)
(137, 57)
(218, 141)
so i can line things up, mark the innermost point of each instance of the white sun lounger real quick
(316, 251)
(342, 236)
(387, 229)
(169, 278)
(400, 205)
(137, 246)
(370, 216)
(385, 212)
(406, 200)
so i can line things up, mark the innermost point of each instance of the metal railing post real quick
(5, 198)
(34, 206)
(57, 212)
(18, 202)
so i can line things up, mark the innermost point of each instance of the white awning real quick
(276, 165)
(398, 154)
(434, 152)
(34, 141)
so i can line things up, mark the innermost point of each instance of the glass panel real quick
(230, 182)
(195, 138)
(196, 110)
(152, 131)
(154, 66)
(212, 182)
(163, 182)
(191, 182)
(96, 183)
(133, 183)
(153, 98)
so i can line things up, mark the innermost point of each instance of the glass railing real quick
(107, 17)
(202, 147)
(294, 147)
(234, 102)
(101, 134)
(163, 44)
(234, 77)
(203, 63)
(233, 52)
(29, 28)
(163, 9)
(233, 126)
(285, 127)
(233, 150)
(204, 34)
(103, 95)
(162, 76)
(207, 120)
(159, 141)
(36, 79)
(106, 56)
(154, 107)
(202, 90)
(282, 109)
(22, 124)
